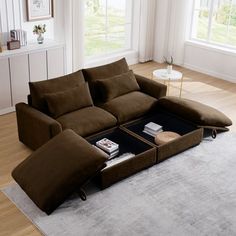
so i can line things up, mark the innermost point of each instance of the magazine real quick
(107, 145)
(119, 159)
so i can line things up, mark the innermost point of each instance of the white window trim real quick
(207, 43)
(95, 60)
(211, 47)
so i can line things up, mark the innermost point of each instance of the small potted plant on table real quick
(169, 64)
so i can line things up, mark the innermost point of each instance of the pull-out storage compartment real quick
(134, 155)
(191, 135)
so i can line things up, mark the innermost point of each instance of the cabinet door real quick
(38, 66)
(55, 62)
(19, 78)
(5, 87)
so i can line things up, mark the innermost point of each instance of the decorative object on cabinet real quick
(14, 44)
(39, 9)
(20, 35)
(39, 30)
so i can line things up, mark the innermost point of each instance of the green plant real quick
(169, 62)
(39, 29)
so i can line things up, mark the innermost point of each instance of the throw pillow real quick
(118, 85)
(69, 100)
(102, 72)
(40, 88)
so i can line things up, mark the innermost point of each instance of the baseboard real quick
(210, 72)
(7, 110)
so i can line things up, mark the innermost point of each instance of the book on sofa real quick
(152, 129)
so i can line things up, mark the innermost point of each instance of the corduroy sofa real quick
(87, 101)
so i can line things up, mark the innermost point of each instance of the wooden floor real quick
(217, 93)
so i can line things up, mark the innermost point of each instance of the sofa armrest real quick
(151, 87)
(34, 127)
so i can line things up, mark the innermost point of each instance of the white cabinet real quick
(19, 69)
(27, 64)
(55, 62)
(5, 86)
(38, 66)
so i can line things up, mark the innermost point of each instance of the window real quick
(108, 26)
(214, 21)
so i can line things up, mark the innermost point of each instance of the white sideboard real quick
(28, 64)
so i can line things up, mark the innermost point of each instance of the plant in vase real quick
(169, 64)
(39, 30)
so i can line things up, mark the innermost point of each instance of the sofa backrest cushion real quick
(40, 88)
(118, 85)
(92, 75)
(69, 100)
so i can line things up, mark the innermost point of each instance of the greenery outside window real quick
(214, 21)
(108, 26)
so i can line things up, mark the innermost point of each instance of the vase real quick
(40, 39)
(169, 69)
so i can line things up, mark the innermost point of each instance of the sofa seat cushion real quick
(40, 88)
(117, 85)
(196, 112)
(57, 169)
(87, 121)
(130, 106)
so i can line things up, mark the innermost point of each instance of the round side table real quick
(168, 77)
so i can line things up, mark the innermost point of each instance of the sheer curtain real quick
(147, 28)
(74, 34)
(172, 29)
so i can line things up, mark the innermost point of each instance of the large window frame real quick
(129, 28)
(208, 40)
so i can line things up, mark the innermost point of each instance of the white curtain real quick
(178, 33)
(74, 34)
(172, 29)
(147, 28)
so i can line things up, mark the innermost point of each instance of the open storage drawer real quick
(144, 156)
(191, 135)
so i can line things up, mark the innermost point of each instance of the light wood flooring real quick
(214, 92)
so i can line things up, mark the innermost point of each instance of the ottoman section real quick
(196, 112)
(57, 169)
(134, 155)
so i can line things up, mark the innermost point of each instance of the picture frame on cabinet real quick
(39, 9)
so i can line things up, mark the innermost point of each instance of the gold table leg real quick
(181, 87)
(168, 87)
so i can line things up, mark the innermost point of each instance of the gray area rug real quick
(193, 193)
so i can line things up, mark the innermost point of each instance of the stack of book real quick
(20, 35)
(152, 129)
(109, 147)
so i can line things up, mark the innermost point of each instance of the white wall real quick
(203, 58)
(13, 16)
(212, 61)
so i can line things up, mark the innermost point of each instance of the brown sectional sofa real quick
(102, 102)
(65, 102)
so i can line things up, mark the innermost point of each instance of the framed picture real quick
(39, 9)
